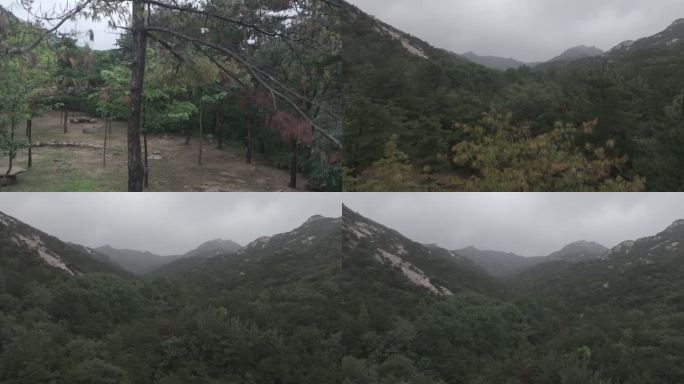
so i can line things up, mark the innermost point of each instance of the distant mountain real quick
(429, 268)
(500, 264)
(493, 62)
(28, 246)
(667, 245)
(506, 264)
(576, 53)
(214, 248)
(137, 262)
(141, 263)
(304, 240)
(580, 250)
(655, 262)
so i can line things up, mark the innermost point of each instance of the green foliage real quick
(505, 157)
(419, 97)
(392, 173)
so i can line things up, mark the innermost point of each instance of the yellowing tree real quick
(500, 156)
(392, 172)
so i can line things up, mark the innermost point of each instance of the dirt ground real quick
(173, 165)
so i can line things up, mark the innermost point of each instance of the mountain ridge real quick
(70, 259)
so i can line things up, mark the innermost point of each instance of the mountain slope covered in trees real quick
(269, 314)
(140, 263)
(427, 120)
(602, 319)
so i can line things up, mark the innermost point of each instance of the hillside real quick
(411, 94)
(26, 245)
(431, 268)
(582, 314)
(493, 62)
(269, 314)
(421, 119)
(499, 264)
(136, 262)
(507, 264)
(577, 53)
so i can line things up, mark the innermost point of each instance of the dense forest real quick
(346, 301)
(267, 314)
(259, 78)
(429, 120)
(614, 318)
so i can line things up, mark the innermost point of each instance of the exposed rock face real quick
(434, 269)
(667, 245)
(67, 258)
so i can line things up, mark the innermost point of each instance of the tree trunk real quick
(29, 126)
(250, 144)
(217, 129)
(188, 131)
(66, 120)
(104, 153)
(136, 172)
(11, 152)
(147, 165)
(199, 159)
(293, 167)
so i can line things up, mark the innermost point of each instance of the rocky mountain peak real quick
(676, 23)
(677, 225)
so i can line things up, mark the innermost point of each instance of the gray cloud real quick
(528, 30)
(528, 224)
(166, 223)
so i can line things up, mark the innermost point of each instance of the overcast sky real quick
(166, 223)
(527, 30)
(105, 38)
(527, 224)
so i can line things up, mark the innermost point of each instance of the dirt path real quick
(173, 165)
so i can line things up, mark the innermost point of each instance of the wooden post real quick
(200, 137)
(104, 153)
(250, 139)
(147, 165)
(29, 126)
(293, 166)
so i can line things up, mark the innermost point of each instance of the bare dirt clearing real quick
(73, 162)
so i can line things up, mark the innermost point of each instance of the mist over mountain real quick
(493, 62)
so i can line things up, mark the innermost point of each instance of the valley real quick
(265, 313)
(586, 120)
(341, 300)
(584, 314)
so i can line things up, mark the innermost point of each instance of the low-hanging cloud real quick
(166, 223)
(527, 30)
(529, 224)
